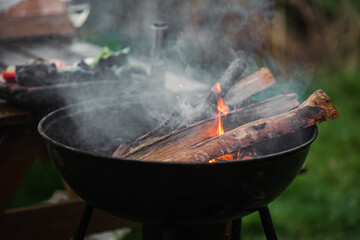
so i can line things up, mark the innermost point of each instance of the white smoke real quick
(204, 37)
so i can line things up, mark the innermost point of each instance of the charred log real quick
(164, 148)
(316, 109)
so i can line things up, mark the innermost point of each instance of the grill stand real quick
(171, 232)
(236, 229)
(83, 222)
(267, 223)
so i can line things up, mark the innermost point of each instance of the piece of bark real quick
(254, 83)
(316, 109)
(164, 148)
(121, 150)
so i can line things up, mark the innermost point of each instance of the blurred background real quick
(311, 44)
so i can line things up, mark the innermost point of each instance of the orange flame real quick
(217, 88)
(241, 154)
(222, 108)
(220, 129)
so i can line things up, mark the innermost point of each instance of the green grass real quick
(325, 202)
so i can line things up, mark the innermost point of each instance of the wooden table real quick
(20, 144)
(18, 52)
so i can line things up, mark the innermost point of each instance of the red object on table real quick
(9, 77)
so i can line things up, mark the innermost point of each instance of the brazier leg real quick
(215, 231)
(169, 233)
(83, 222)
(236, 229)
(267, 223)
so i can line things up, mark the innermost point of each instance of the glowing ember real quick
(241, 154)
(226, 157)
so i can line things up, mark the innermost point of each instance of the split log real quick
(254, 83)
(316, 109)
(166, 147)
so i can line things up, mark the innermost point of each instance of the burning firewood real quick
(316, 109)
(176, 121)
(204, 130)
(254, 83)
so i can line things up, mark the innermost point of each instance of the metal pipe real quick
(159, 35)
(83, 222)
(236, 229)
(267, 223)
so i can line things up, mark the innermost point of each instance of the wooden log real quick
(185, 138)
(254, 83)
(227, 80)
(316, 109)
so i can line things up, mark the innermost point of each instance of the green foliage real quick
(39, 184)
(324, 203)
(329, 5)
(105, 53)
(134, 234)
(333, 5)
